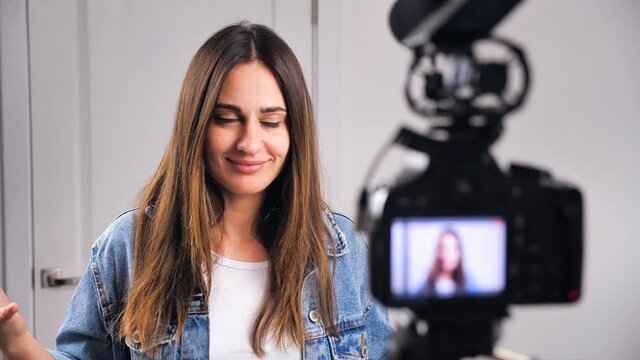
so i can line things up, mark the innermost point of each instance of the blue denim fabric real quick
(90, 324)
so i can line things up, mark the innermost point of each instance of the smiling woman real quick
(248, 140)
(232, 252)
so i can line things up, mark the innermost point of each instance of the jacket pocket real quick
(163, 348)
(351, 342)
(194, 336)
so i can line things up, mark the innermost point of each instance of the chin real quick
(247, 190)
(247, 193)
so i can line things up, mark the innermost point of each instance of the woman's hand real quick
(12, 325)
(15, 340)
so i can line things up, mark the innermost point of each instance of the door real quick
(104, 79)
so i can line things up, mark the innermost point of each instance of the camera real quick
(516, 238)
(462, 239)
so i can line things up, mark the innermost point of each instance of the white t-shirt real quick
(236, 296)
(445, 287)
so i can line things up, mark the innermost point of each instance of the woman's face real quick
(247, 140)
(449, 252)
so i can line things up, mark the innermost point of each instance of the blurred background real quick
(88, 93)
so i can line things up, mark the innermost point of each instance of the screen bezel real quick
(381, 244)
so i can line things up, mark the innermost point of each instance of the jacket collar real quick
(338, 236)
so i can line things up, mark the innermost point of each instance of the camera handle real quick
(454, 340)
(447, 340)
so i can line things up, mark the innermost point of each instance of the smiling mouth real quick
(246, 167)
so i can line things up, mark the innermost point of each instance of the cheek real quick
(213, 148)
(217, 142)
(280, 146)
(285, 148)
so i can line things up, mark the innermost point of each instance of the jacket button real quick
(364, 352)
(313, 316)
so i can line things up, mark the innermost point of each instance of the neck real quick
(238, 241)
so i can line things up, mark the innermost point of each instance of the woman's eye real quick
(271, 124)
(223, 120)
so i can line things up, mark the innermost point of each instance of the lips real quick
(246, 166)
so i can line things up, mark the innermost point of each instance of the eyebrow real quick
(269, 109)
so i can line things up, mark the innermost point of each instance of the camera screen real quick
(447, 257)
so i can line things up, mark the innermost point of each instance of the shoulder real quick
(117, 238)
(347, 238)
(351, 259)
(112, 257)
(123, 225)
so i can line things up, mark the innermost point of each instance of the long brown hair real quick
(173, 246)
(457, 274)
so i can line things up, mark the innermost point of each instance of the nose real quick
(249, 141)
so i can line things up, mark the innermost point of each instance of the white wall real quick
(580, 122)
(16, 155)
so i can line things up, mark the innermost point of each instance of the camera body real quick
(464, 238)
(518, 238)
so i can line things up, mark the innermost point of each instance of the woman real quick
(231, 252)
(447, 277)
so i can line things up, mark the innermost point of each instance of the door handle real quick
(52, 277)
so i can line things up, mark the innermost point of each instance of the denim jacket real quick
(90, 324)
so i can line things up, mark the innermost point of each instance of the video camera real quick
(460, 241)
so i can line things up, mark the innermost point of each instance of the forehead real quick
(251, 85)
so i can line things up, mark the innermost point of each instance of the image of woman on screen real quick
(447, 275)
